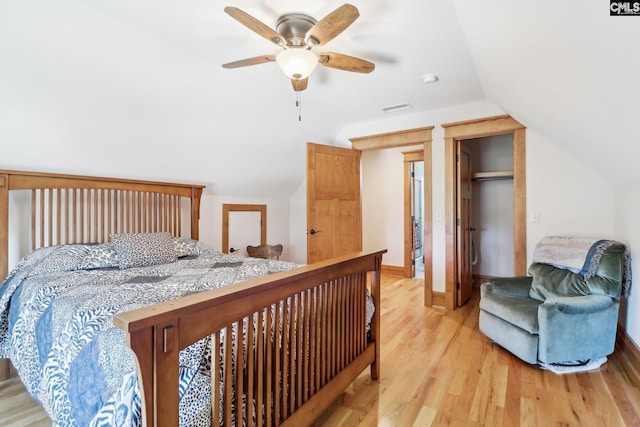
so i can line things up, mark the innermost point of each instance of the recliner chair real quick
(555, 315)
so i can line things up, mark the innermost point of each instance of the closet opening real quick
(491, 215)
(460, 139)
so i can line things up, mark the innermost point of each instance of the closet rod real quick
(495, 175)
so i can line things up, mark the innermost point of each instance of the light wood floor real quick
(439, 370)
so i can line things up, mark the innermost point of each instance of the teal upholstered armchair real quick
(557, 315)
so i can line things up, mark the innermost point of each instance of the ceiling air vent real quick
(397, 107)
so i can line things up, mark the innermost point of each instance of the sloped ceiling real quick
(135, 87)
(565, 69)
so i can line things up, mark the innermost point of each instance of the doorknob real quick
(232, 250)
(312, 231)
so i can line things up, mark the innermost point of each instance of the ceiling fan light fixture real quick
(297, 63)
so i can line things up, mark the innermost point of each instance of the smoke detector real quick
(429, 78)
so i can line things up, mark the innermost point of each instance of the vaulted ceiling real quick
(136, 88)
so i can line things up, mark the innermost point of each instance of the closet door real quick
(464, 254)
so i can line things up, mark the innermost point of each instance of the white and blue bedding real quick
(56, 310)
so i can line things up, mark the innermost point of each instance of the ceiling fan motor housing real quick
(293, 27)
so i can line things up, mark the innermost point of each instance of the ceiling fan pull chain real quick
(299, 105)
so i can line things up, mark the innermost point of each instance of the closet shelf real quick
(486, 176)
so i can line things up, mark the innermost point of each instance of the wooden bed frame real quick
(304, 334)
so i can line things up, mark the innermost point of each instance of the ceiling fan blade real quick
(256, 26)
(300, 85)
(331, 25)
(250, 61)
(345, 62)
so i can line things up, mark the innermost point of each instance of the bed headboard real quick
(86, 209)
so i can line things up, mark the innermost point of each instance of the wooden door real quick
(464, 253)
(412, 207)
(334, 217)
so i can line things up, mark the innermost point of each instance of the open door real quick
(464, 254)
(415, 230)
(334, 216)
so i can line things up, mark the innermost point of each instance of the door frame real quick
(405, 138)
(227, 208)
(458, 131)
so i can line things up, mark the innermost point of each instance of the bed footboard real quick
(284, 346)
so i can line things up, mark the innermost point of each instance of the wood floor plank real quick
(437, 369)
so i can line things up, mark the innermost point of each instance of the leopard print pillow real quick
(142, 249)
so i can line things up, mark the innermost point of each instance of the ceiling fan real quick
(297, 34)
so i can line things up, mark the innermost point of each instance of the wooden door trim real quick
(404, 138)
(400, 138)
(226, 208)
(490, 126)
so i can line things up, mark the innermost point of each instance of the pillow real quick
(102, 255)
(549, 281)
(204, 249)
(142, 249)
(184, 246)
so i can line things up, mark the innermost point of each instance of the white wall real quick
(383, 203)
(570, 197)
(627, 229)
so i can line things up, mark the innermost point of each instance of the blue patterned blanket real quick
(56, 325)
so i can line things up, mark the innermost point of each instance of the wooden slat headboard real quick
(85, 209)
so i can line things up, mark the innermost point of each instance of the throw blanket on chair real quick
(579, 255)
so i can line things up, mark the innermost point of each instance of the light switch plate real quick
(534, 216)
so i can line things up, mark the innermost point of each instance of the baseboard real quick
(437, 299)
(479, 279)
(393, 270)
(628, 355)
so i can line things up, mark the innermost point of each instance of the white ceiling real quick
(136, 87)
